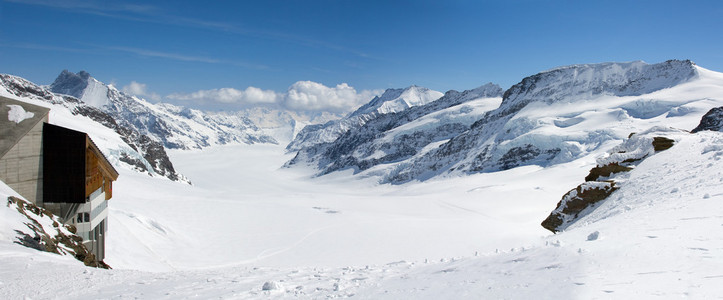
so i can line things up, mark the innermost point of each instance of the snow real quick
(18, 114)
(243, 234)
(279, 217)
(250, 229)
(96, 94)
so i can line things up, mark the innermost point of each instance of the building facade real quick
(57, 168)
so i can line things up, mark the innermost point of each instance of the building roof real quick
(17, 118)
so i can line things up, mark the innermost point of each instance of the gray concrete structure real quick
(21, 152)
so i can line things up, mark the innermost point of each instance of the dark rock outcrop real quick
(583, 197)
(712, 120)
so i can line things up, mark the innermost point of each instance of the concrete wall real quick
(21, 168)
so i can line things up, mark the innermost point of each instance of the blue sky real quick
(231, 54)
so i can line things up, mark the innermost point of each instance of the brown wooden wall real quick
(96, 174)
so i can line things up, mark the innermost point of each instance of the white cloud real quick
(140, 90)
(313, 96)
(250, 95)
(301, 96)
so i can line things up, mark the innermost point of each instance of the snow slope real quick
(654, 237)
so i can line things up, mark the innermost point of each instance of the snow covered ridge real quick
(398, 136)
(565, 113)
(118, 140)
(37, 228)
(175, 127)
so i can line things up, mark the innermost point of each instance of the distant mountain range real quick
(413, 133)
(552, 117)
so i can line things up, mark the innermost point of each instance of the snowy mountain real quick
(176, 127)
(391, 101)
(399, 135)
(549, 118)
(565, 113)
(119, 140)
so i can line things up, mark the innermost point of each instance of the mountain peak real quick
(81, 86)
(70, 83)
(396, 100)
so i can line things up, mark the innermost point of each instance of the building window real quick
(83, 217)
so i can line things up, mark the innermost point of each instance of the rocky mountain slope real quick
(398, 135)
(562, 114)
(175, 127)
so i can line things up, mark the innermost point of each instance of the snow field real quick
(258, 214)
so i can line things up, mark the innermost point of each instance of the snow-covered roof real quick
(17, 118)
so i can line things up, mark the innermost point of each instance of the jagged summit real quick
(70, 83)
(81, 86)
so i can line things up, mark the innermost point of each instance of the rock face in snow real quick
(392, 101)
(175, 127)
(712, 120)
(540, 119)
(391, 135)
(143, 153)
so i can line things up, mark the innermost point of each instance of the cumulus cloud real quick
(249, 96)
(313, 96)
(140, 90)
(301, 96)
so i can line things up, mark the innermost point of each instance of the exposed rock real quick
(606, 171)
(712, 120)
(47, 233)
(662, 143)
(575, 201)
